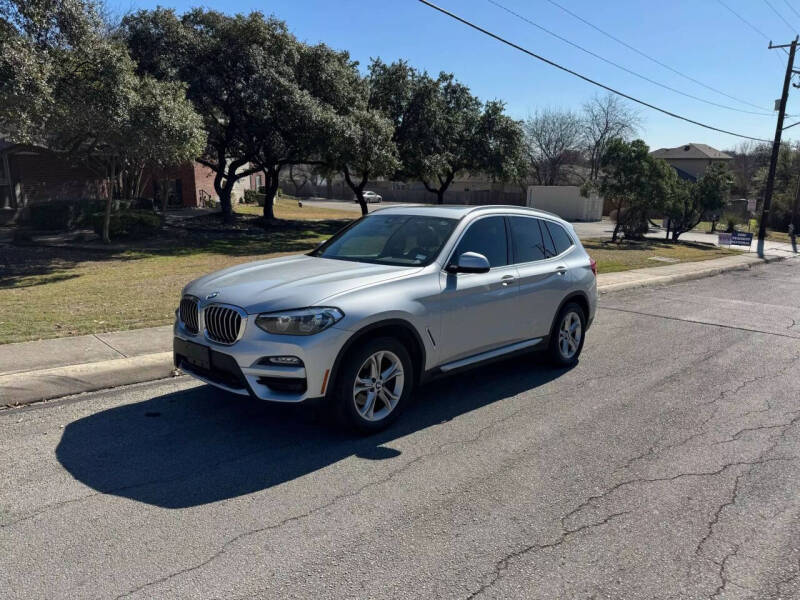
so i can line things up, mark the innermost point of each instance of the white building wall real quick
(566, 202)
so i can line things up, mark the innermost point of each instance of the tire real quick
(564, 348)
(355, 388)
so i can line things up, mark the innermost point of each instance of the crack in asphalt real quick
(745, 430)
(723, 564)
(697, 322)
(655, 449)
(503, 564)
(734, 496)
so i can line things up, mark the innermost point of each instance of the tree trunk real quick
(358, 189)
(224, 193)
(271, 182)
(107, 218)
(616, 229)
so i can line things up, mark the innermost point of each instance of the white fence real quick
(566, 202)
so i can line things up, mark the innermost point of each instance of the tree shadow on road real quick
(203, 445)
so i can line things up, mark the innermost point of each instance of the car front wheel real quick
(374, 384)
(566, 339)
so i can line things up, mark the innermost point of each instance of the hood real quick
(289, 282)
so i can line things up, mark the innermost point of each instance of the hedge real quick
(128, 223)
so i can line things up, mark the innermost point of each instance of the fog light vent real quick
(281, 361)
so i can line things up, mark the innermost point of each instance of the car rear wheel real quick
(374, 384)
(567, 336)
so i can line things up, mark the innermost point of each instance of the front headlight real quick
(303, 321)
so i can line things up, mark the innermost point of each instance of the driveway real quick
(665, 465)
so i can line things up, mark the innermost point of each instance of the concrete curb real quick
(656, 280)
(17, 389)
(46, 384)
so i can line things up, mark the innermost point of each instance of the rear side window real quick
(560, 237)
(488, 237)
(527, 239)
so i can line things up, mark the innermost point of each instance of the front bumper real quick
(236, 368)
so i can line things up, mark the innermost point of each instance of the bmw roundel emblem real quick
(212, 295)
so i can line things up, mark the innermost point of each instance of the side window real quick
(527, 239)
(488, 237)
(560, 237)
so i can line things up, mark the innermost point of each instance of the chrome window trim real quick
(544, 260)
(463, 232)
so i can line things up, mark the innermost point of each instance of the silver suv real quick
(395, 298)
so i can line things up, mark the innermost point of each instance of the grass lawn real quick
(286, 208)
(50, 292)
(612, 257)
(54, 292)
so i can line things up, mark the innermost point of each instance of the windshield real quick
(402, 240)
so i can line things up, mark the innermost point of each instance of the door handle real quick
(507, 280)
(561, 269)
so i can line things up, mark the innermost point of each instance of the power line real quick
(780, 16)
(627, 70)
(584, 77)
(750, 25)
(650, 58)
(792, 8)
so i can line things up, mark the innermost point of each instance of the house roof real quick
(690, 151)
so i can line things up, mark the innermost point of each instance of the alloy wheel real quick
(378, 385)
(569, 335)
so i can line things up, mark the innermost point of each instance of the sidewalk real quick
(46, 369)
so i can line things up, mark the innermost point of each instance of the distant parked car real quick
(396, 298)
(370, 197)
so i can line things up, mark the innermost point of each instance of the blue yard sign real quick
(739, 238)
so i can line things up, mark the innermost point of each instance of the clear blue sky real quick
(698, 37)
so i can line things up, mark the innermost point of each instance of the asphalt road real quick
(665, 465)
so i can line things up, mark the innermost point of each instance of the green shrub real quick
(730, 220)
(63, 215)
(129, 223)
(54, 216)
(252, 197)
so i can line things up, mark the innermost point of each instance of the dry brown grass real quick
(626, 255)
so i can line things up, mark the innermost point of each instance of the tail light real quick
(593, 265)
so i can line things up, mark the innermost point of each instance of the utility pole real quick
(776, 145)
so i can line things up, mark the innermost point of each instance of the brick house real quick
(32, 174)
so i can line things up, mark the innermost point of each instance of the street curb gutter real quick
(22, 388)
(656, 280)
(46, 384)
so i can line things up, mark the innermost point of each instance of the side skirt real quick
(486, 357)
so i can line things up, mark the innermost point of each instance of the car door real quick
(539, 258)
(477, 308)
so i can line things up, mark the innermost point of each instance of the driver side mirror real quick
(469, 262)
